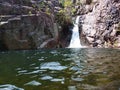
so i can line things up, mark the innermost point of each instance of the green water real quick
(60, 69)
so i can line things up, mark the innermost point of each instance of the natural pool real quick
(60, 69)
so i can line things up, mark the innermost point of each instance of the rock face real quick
(24, 26)
(27, 32)
(9, 9)
(100, 26)
(32, 24)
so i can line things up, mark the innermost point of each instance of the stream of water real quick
(75, 40)
(60, 69)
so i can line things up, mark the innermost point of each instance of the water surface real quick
(60, 69)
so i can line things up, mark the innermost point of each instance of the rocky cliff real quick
(34, 24)
(26, 31)
(100, 23)
(28, 24)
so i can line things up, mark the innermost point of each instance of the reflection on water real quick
(61, 69)
(9, 87)
(34, 83)
(52, 66)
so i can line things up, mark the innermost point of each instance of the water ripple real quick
(33, 83)
(46, 78)
(52, 66)
(9, 87)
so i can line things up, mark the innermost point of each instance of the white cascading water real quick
(75, 40)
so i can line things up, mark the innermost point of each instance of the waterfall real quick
(75, 40)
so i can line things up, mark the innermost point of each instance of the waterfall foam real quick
(75, 40)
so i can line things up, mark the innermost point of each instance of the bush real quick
(62, 18)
